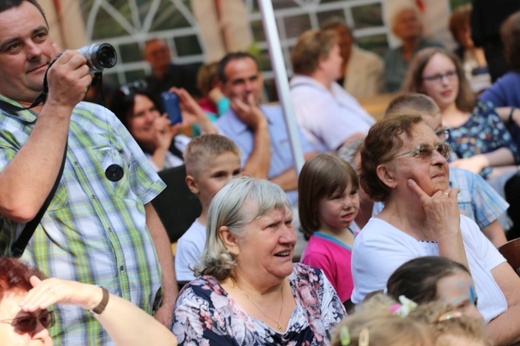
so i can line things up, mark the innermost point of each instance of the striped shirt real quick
(94, 230)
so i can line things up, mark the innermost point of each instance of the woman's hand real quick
(192, 113)
(442, 221)
(164, 132)
(125, 323)
(473, 164)
(215, 94)
(441, 209)
(55, 291)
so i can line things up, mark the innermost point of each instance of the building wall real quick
(128, 24)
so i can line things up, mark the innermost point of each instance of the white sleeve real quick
(484, 249)
(187, 255)
(327, 121)
(374, 260)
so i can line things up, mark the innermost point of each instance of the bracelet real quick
(102, 305)
(510, 118)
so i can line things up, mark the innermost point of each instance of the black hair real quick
(9, 4)
(123, 100)
(221, 67)
(417, 279)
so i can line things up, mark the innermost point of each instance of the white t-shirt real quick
(326, 118)
(189, 249)
(380, 248)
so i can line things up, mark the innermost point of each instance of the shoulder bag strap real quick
(20, 244)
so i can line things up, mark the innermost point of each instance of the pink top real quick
(333, 257)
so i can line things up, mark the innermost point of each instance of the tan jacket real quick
(364, 75)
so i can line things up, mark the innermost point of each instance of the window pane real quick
(367, 16)
(130, 53)
(187, 45)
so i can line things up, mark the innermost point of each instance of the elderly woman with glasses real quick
(403, 164)
(478, 137)
(250, 292)
(25, 320)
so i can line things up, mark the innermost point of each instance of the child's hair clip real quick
(403, 309)
(364, 337)
(344, 336)
(449, 315)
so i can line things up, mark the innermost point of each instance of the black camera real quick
(100, 56)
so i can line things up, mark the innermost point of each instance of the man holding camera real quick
(100, 226)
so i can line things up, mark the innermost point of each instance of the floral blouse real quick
(206, 315)
(484, 132)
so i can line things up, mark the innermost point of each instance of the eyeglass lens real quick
(442, 134)
(426, 151)
(440, 76)
(27, 324)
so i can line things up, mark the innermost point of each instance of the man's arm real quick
(162, 246)
(28, 178)
(500, 157)
(495, 233)
(258, 162)
(288, 179)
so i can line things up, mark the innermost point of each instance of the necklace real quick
(278, 325)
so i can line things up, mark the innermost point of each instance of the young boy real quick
(211, 161)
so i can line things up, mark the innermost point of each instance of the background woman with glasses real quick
(477, 135)
(403, 164)
(25, 320)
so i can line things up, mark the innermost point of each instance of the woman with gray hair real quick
(249, 291)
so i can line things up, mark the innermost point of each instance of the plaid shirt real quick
(477, 199)
(94, 230)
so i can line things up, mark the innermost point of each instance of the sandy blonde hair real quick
(202, 150)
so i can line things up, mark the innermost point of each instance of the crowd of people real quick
(389, 235)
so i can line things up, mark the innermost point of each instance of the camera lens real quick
(99, 56)
(106, 56)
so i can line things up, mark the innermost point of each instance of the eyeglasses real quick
(438, 78)
(425, 151)
(27, 324)
(443, 134)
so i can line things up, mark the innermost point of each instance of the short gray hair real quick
(239, 202)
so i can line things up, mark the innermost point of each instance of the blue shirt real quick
(504, 93)
(232, 127)
(477, 199)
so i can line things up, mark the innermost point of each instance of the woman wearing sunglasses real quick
(25, 296)
(403, 164)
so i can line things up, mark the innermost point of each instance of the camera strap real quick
(41, 98)
(20, 244)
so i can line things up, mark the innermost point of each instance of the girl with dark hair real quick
(328, 203)
(434, 278)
